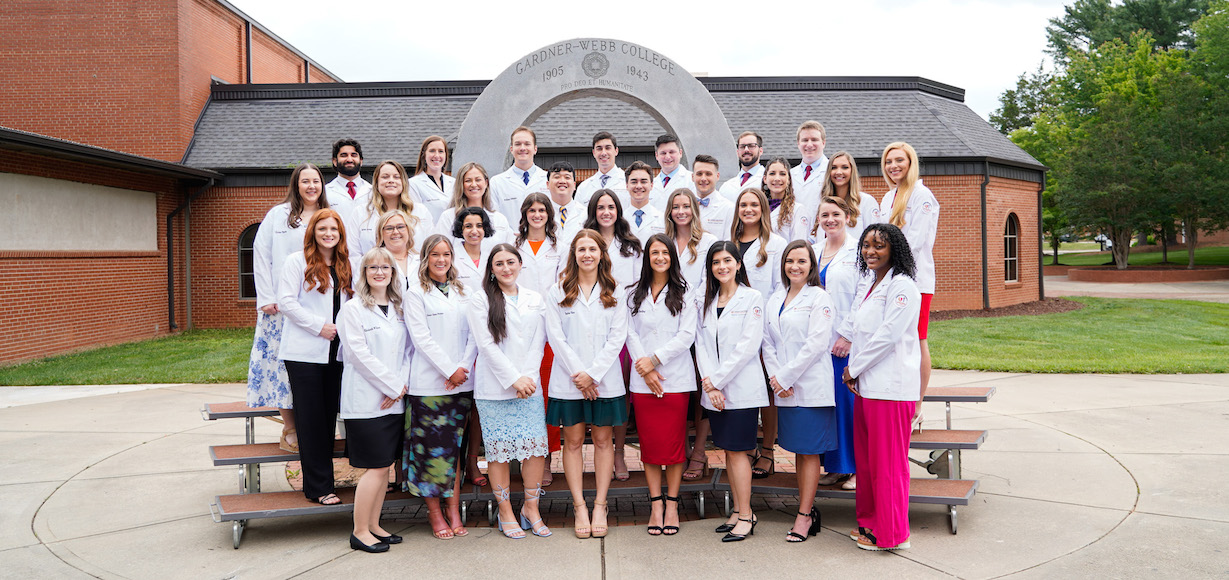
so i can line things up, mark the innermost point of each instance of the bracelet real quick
(656, 361)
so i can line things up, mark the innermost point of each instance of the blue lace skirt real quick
(513, 428)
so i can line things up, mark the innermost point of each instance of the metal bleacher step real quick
(921, 490)
(259, 453)
(959, 394)
(235, 410)
(946, 439)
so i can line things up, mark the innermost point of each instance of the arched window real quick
(1011, 249)
(247, 276)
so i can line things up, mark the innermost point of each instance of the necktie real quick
(605, 178)
(746, 176)
(639, 217)
(665, 181)
(807, 175)
(526, 180)
(350, 189)
(563, 216)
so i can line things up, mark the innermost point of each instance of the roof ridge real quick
(939, 116)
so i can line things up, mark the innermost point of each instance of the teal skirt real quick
(599, 412)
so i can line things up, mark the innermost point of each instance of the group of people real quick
(521, 312)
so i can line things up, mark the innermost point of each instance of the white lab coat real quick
(796, 347)
(718, 217)
(503, 231)
(424, 192)
(767, 278)
(439, 331)
(375, 348)
(886, 355)
(577, 214)
(652, 222)
(617, 183)
(695, 273)
(508, 189)
(520, 353)
(734, 186)
(275, 240)
(585, 336)
(469, 274)
(809, 189)
(655, 331)
(362, 223)
(339, 199)
(541, 271)
(921, 224)
(661, 191)
(624, 269)
(840, 281)
(799, 225)
(307, 311)
(728, 349)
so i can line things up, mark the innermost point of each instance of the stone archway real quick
(582, 67)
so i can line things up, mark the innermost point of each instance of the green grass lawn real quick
(1106, 336)
(198, 356)
(1211, 256)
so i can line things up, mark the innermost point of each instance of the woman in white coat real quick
(761, 258)
(796, 340)
(279, 235)
(431, 187)
(473, 190)
(441, 394)
(912, 207)
(390, 191)
(841, 181)
(472, 240)
(660, 334)
(588, 328)
(731, 330)
(314, 285)
(508, 321)
(838, 274)
(393, 234)
(374, 344)
(606, 218)
(691, 242)
(884, 372)
(791, 217)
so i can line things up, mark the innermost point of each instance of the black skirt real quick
(735, 429)
(374, 443)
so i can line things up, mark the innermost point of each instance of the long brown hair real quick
(522, 230)
(424, 269)
(786, 213)
(628, 243)
(496, 305)
(422, 154)
(697, 230)
(853, 196)
(571, 272)
(812, 275)
(317, 274)
(458, 201)
(736, 230)
(295, 199)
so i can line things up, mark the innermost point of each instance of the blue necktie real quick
(604, 179)
(703, 201)
(526, 178)
(563, 216)
(639, 217)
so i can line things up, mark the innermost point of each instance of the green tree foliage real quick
(1087, 24)
(1019, 106)
(1042, 140)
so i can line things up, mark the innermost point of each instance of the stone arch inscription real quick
(582, 67)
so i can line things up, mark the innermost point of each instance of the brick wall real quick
(56, 302)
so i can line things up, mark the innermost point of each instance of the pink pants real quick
(881, 455)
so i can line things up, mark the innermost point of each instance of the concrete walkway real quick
(1210, 291)
(1081, 476)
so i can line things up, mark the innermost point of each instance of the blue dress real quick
(840, 460)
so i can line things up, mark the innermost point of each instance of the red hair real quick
(317, 274)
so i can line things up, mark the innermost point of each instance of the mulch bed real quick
(1047, 306)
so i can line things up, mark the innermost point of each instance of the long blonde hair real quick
(405, 202)
(853, 196)
(424, 269)
(394, 285)
(458, 201)
(736, 230)
(697, 230)
(903, 189)
(570, 279)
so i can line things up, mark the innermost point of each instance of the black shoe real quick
(724, 528)
(732, 537)
(395, 539)
(794, 537)
(357, 544)
(669, 530)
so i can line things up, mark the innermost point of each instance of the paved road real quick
(1212, 291)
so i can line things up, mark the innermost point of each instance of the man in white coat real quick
(716, 212)
(644, 218)
(672, 175)
(808, 176)
(750, 172)
(608, 176)
(348, 190)
(569, 213)
(510, 187)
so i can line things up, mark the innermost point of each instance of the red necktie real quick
(746, 176)
(665, 181)
(350, 189)
(807, 175)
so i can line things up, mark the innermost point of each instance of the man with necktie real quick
(750, 172)
(716, 212)
(608, 176)
(569, 213)
(808, 176)
(348, 190)
(672, 175)
(644, 218)
(509, 188)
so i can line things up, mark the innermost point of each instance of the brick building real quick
(184, 117)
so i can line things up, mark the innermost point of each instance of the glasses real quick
(748, 146)
(397, 228)
(381, 268)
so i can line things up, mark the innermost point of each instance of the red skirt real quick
(552, 431)
(662, 424)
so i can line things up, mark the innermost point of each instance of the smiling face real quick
(748, 151)
(605, 153)
(832, 220)
(396, 234)
(327, 233)
(776, 177)
(524, 147)
(310, 186)
(536, 217)
(388, 183)
(704, 176)
(474, 185)
(348, 161)
(437, 156)
(896, 163)
(668, 157)
(797, 266)
(680, 210)
(840, 171)
(724, 267)
(606, 212)
(639, 185)
(562, 185)
(659, 257)
(506, 267)
(588, 255)
(379, 273)
(439, 261)
(810, 145)
(877, 253)
(749, 210)
(471, 230)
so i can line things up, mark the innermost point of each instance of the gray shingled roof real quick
(280, 133)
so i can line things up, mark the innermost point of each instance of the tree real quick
(1087, 24)
(1019, 106)
(1042, 140)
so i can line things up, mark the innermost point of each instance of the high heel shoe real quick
(657, 530)
(794, 537)
(600, 532)
(376, 548)
(532, 495)
(286, 445)
(501, 496)
(586, 531)
(732, 537)
(669, 530)
(724, 528)
(474, 475)
(625, 474)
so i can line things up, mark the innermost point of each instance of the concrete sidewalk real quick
(1081, 476)
(1210, 291)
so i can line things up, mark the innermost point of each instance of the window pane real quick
(247, 279)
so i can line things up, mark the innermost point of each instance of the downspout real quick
(1041, 279)
(170, 254)
(985, 248)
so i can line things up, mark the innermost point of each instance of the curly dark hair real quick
(901, 256)
(458, 223)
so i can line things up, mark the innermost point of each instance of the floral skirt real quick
(268, 385)
(434, 430)
(513, 428)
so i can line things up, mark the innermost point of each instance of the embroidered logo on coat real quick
(926, 207)
(757, 313)
(901, 301)
(827, 312)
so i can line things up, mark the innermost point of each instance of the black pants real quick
(317, 393)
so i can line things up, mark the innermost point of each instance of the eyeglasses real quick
(380, 268)
(748, 146)
(397, 228)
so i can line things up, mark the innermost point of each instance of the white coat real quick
(695, 273)
(585, 336)
(921, 224)
(469, 274)
(624, 269)
(275, 240)
(868, 213)
(654, 331)
(767, 278)
(374, 346)
(519, 354)
(796, 347)
(339, 200)
(799, 225)
(728, 348)
(653, 221)
(508, 189)
(439, 330)
(841, 282)
(424, 191)
(362, 223)
(718, 216)
(617, 183)
(662, 190)
(307, 311)
(503, 231)
(886, 355)
(541, 271)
